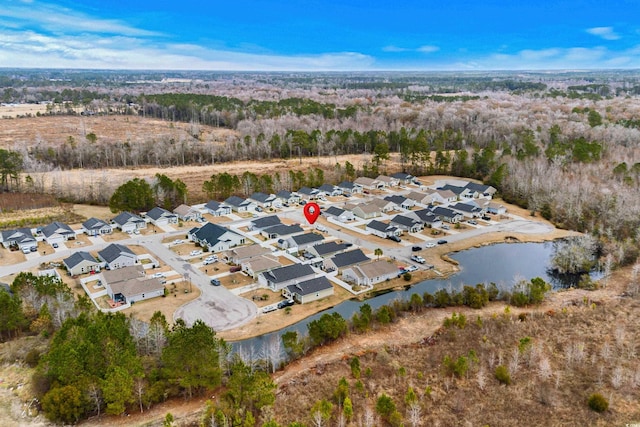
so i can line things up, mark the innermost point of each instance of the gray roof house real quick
(388, 181)
(215, 238)
(329, 190)
(407, 223)
(21, 237)
(401, 201)
(96, 227)
(279, 278)
(428, 218)
(303, 241)
(117, 256)
(381, 229)
(370, 273)
(345, 259)
(281, 230)
(470, 210)
(403, 177)
(239, 204)
(327, 249)
(338, 214)
(81, 262)
(308, 193)
(481, 190)
(349, 187)
(265, 222)
(160, 216)
(309, 290)
(216, 208)
(188, 213)
(287, 197)
(447, 215)
(128, 222)
(57, 232)
(265, 200)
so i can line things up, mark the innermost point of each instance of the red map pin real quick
(311, 212)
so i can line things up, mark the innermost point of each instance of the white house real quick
(96, 227)
(217, 208)
(215, 238)
(309, 290)
(278, 278)
(130, 284)
(380, 229)
(161, 217)
(128, 222)
(188, 213)
(370, 273)
(57, 233)
(21, 237)
(118, 256)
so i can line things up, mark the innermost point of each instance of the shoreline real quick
(439, 257)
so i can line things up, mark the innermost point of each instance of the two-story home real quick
(96, 227)
(117, 256)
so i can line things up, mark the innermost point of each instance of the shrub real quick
(502, 375)
(406, 277)
(598, 402)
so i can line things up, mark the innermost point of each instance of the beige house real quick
(309, 290)
(243, 254)
(130, 284)
(259, 264)
(371, 273)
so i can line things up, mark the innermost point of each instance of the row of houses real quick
(113, 257)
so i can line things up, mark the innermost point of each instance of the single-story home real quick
(384, 205)
(216, 208)
(130, 284)
(418, 197)
(327, 249)
(96, 227)
(265, 222)
(407, 223)
(243, 254)
(188, 213)
(20, 237)
(481, 190)
(265, 200)
(403, 177)
(460, 192)
(278, 278)
(469, 210)
(161, 217)
(370, 273)
(301, 242)
(117, 256)
(401, 201)
(57, 233)
(381, 229)
(260, 264)
(388, 181)
(281, 230)
(128, 222)
(238, 204)
(345, 259)
(366, 210)
(496, 209)
(338, 214)
(428, 218)
(329, 190)
(350, 188)
(368, 183)
(307, 193)
(81, 262)
(288, 197)
(447, 215)
(215, 238)
(309, 290)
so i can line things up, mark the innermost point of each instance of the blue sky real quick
(320, 35)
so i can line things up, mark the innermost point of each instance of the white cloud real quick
(428, 49)
(392, 48)
(606, 33)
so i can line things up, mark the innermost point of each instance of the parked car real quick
(418, 258)
(286, 303)
(486, 218)
(446, 227)
(25, 250)
(394, 238)
(442, 242)
(409, 269)
(210, 259)
(429, 245)
(157, 275)
(235, 268)
(33, 249)
(321, 228)
(55, 245)
(416, 248)
(196, 252)
(258, 209)
(473, 222)
(215, 282)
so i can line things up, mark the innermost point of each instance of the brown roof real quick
(137, 286)
(123, 274)
(250, 251)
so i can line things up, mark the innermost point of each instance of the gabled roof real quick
(307, 191)
(309, 287)
(334, 211)
(327, 188)
(283, 230)
(455, 189)
(426, 215)
(284, 194)
(404, 220)
(210, 233)
(94, 224)
(243, 252)
(466, 207)
(288, 272)
(56, 227)
(123, 274)
(158, 212)
(347, 184)
(445, 212)
(480, 188)
(265, 222)
(214, 205)
(366, 182)
(329, 248)
(261, 197)
(236, 201)
(183, 210)
(125, 217)
(367, 207)
(384, 178)
(77, 257)
(379, 226)
(416, 196)
(305, 239)
(344, 259)
(18, 235)
(402, 176)
(398, 200)
(377, 268)
(113, 251)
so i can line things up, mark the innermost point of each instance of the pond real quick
(503, 264)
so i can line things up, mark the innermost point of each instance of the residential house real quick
(338, 214)
(265, 201)
(427, 217)
(96, 227)
(130, 284)
(260, 264)
(309, 290)
(215, 238)
(303, 241)
(371, 273)
(481, 190)
(128, 222)
(368, 184)
(344, 259)
(81, 262)
(281, 230)
(117, 256)
(20, 237)
(188, 213)
(407, 223)
(57, 233)
(216, 208)
(278, 278)
(243, 254)
(265, 222)
(366, 210)
(349, 188)
(496, 209)
(307, 193)
(447, 215)
(468, 209)
(329, 190)
(161, 217)
(384, 205)
(238, 204)
(403, 178)
(381, 229)
(388, 181)
(460, 192)
(287, 197)
(327, 249)
(421, 198)
(442, 197)
(401, 201)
